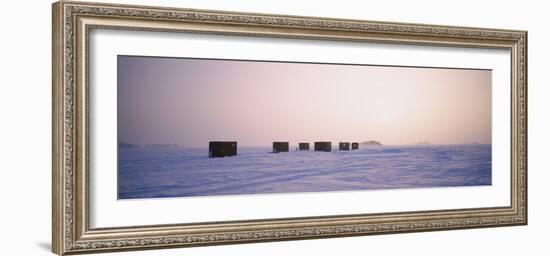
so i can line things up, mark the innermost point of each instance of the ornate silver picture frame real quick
(72, 208)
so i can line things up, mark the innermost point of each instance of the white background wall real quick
(25, 114)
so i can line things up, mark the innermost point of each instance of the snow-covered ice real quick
(178, 172)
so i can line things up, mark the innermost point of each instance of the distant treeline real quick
(127, 145)
(371, 143)
(130, 145)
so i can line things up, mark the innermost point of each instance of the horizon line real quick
(290, 144)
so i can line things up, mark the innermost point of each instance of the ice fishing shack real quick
(343, 146)
(222, 148)
(325, 146)
(279, 146)
(303, 146)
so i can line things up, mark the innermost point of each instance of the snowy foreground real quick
(177, 172)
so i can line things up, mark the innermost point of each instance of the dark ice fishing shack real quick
(222, 148)
(325, 146)
(280, 147)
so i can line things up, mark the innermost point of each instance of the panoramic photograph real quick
(214, 127)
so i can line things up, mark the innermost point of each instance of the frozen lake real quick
(178, 172)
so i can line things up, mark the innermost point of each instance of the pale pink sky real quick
(193, 101)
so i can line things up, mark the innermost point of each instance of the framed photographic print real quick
(179, 127)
